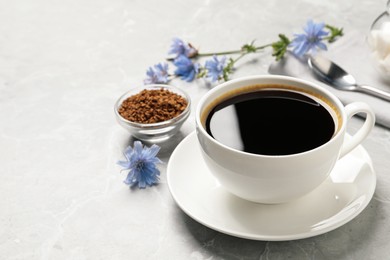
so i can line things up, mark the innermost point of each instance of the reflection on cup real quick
(271, 139)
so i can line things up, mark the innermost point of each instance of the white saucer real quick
(338, 200)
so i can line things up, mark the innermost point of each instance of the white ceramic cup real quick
(277, 179)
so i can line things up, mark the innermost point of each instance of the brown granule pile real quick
(152, 106)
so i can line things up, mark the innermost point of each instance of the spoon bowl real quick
(334, 75)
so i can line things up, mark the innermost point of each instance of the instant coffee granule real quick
(152, 106)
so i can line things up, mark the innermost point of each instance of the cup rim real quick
(278, 79)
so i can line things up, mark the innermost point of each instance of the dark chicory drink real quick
(271, 121)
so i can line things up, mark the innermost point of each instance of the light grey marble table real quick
(63, 64)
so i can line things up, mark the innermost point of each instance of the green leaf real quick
(280, 47)
(228, 69)
(334, 32)
(249, 48)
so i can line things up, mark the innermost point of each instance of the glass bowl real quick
(379, 43)
(153, 132)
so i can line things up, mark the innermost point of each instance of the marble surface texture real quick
(63, 64)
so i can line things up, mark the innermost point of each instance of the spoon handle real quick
(374, 91)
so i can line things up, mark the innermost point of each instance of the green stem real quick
(264, 46)
(327, 38)
(239, 57)
(232, 52)
(218, 53)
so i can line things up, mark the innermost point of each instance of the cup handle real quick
(351, 110)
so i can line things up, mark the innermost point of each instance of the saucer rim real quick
(257, 236)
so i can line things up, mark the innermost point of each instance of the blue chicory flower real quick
(215, 68)
(141, 162)
(309, 41)
(157, 74)
(186, 69)
(179, 47)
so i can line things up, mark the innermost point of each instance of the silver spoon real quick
(340, 79)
